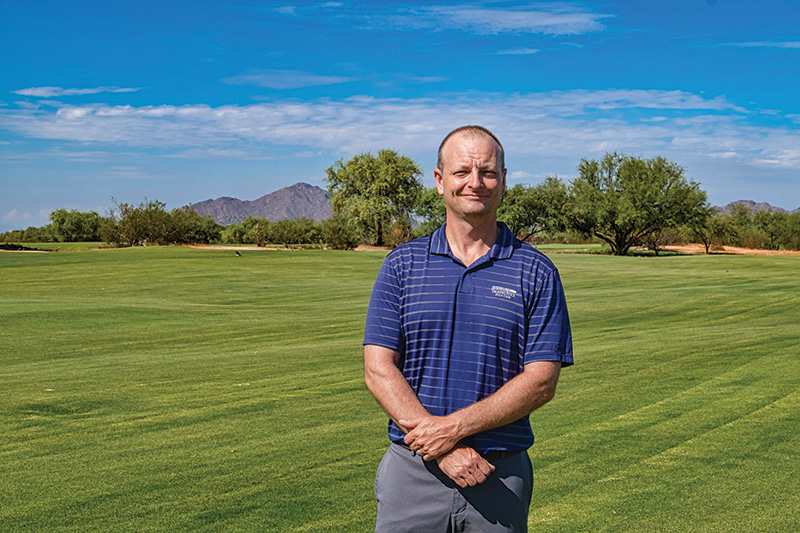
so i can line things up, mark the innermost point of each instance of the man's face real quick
(471, 181)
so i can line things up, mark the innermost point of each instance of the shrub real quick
(339, 234)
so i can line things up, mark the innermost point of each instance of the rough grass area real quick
(175, 389)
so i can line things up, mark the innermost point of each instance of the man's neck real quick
(470, 242)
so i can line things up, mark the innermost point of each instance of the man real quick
(466, 333)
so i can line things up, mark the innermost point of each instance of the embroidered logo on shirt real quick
(502, 292)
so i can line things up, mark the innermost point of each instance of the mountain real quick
(298, 200)
(754, 207)
(304, 200)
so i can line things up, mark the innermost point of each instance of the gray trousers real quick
(416, 496)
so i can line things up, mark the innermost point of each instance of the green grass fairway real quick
(175, 389)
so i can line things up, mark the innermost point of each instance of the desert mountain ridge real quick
(754, 207)
(296, 201)
(304, 200)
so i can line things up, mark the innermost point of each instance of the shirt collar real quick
(502, 248)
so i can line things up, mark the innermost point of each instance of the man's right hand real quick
(465, 466)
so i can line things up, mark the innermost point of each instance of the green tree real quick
(528, 210)
(239, 232)
(399, 232)
(656, 240)
(774, 225)
(75, 226)
(188, 226)
(151, 223)
(374, 192)
(295, 231)
(741, 220)
(260, 232)
(339, 234)
(790, 239)
(136, 225)
(429, 211)
(716, 230)
(621, 199)
(31, 234)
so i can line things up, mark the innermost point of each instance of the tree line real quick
(148, 223)
(620, 200)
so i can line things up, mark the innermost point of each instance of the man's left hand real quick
(431, 436)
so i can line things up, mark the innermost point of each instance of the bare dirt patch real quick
(367, 248)
(730, 250)
(360, 248)
(232, 248)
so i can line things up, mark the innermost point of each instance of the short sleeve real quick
(383, 316)
(549, 332)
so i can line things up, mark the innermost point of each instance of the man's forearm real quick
(519, 397)
(389, 387)
(432, 436)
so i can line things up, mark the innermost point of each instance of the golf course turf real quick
(178, 389)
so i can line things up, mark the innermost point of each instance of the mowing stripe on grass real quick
(172, 389)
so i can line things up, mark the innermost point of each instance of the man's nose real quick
(475, 179)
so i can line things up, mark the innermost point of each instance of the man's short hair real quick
(473, 131)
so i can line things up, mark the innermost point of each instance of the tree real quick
(774, 225)
(374, 192)
(188, 226)
(790, 239)
(151, 223)
(399, 232)
(74, 226)
(528, 210)
(741, 220)
(339, 234)
(295, 231)
(656, 240)
(429, 211)
(239, 232)
(138, 225)
(260, 231)
(717, 229)
(621, 199)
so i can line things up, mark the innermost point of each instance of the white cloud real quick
(549, 19)
(49, 92)
(767, 44)
(286, 10)
(563, 125)
(215, 153)
(491, 18)
(780, 158)
(12, 215)
(285, 79)
(723, 155)
(422, 79)
(643, 99)
(721, 144)
(16, 217)
(519, 175)
(518, 52)
(83, 156)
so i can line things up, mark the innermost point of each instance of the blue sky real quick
(182, 101)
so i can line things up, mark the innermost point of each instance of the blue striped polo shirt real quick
(462, 331)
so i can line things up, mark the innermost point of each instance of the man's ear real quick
(504, 180)
(437, 176)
